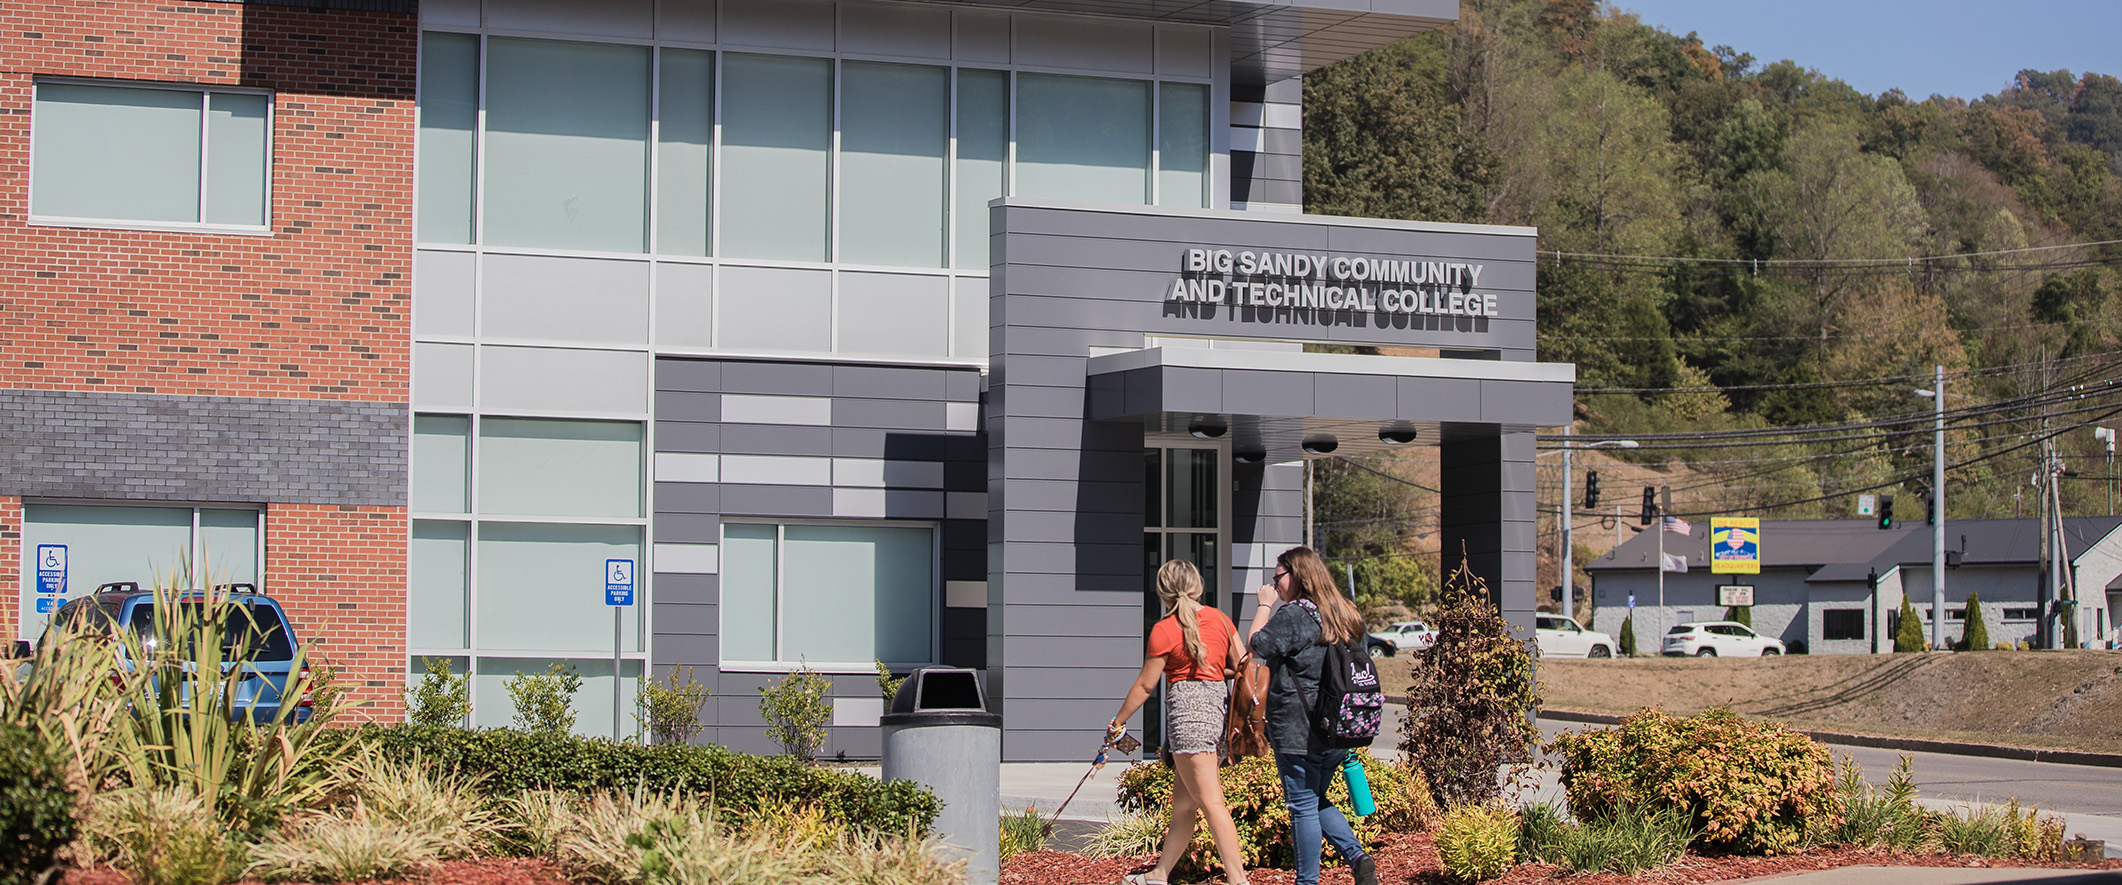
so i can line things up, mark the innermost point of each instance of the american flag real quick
(1678, 526)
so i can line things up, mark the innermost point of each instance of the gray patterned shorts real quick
(1195, 710)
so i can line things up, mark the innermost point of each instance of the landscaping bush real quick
(1740, 614)
(441, 697)
(1132, 833)
(1477, 842)
(545, 702)
(1993, 831)
(36, 808)
(795, 710)
(1627, 841)
(669, 710)
(1746, 787)
(1022, 832)
(342, 849)
(162, 837)
(1627, 639)
(1908, 637)
(1887, 818)
(1975, 636)
(1469, 704)
(1253, 791)
(510, 762)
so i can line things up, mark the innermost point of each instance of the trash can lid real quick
(931, 689)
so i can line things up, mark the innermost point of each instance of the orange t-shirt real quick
(1167, 642)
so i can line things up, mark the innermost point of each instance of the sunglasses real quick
(1280, 574)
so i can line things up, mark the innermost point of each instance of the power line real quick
(1793, 262)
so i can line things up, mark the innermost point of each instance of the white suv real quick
(1407, 636)
(1560, 637)
(1710, 639)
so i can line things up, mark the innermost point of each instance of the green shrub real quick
(1746, 787)
(531, 822)
(1541, 828)
(163, 836)
(2001, 831)
(545, 702)
(669, 710)
(887, 684)
(36, 808)
(1740, 614)
(441, 697)
(1887, 818)
(1022, 832)
(1132, 833)
(1253, 791)
(1627, 639)
(1975, 636)
(513, 761)
(1478, 842)
(1470, 700)
(1628, 840)
(795, 710)
(1909, 636)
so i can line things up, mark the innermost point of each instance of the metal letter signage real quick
(618, 582)
(1300, 286)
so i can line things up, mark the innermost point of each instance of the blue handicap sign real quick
(51, 569)
(47, 604)
(1631, 600)
(618, 582)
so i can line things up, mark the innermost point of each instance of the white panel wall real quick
(443, 291)
(576, 300)
(545, 380)
(604, 18)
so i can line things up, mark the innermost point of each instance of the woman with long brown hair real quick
(1194, 648)
(1300, 614)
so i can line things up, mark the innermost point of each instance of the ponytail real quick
(1179, 588)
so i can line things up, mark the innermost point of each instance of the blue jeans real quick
(1304, 782)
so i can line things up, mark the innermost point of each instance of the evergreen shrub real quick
(1975, 636)
(1909, 636)
(1627, 639)
(1748, 787)
(1740, 614)
(510, 762)
(545, 702)
(1253, 791)
(36, 808)
(1478, 842)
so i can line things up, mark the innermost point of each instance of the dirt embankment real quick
(2066, 699)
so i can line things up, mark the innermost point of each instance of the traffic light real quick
(1930, 509)
(1650, 505)
(1591, 490)
(1886, 511)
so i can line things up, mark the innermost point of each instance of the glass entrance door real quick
(1185, 515)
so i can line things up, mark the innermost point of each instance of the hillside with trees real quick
(1752, 265)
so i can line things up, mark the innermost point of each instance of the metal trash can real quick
(939, 734)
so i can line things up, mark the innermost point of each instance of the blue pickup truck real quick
(258, 633)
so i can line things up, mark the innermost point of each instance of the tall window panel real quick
(540, 586)
(441, 464)
(449, 115)
(439, 585)
(983, 155)
(1182, 145)
(894, 127)
(877, 580)
(547, 467)
(566, 145)
(776, 157)
(685, 130)
(164, 156)
(1082, 138)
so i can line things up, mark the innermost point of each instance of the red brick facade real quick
(320, 309)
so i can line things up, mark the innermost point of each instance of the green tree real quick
(1975, 636)
(1740, 614)
(1382, 141)
(1627, 639)
(1909, 635)
(545, 702)
(796, 711)
(441, 697)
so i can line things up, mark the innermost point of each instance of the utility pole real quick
(2046, 635)
(1937, 523)
(1569, 565)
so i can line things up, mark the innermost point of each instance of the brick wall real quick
(318, 310)
(340, 571)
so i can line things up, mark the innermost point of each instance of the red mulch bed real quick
(1412, 860)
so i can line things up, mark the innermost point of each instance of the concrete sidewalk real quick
(1941, 876)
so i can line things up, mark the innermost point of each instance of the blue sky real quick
(1967, 48)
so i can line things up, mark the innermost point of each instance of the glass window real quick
(139, 544)
(449, 114)
(173, 156)
(541, 586)
(685, 128)
(1082, 138)
(894, 127)
(592, 703)
(983, 152)
(877, 580)
(776, 163)
(567, 145)
(1182, 145)
(441, 464)
(440, 572)
(1190, 476)
(228, 546)
(552, 467)
(1845, 623)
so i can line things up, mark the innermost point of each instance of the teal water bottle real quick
(1358, 785)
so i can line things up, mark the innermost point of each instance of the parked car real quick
(1561, 637)
(258, 633)
(1711, 639)
(1402, 636)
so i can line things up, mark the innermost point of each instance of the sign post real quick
(618, 594)
(51, 577)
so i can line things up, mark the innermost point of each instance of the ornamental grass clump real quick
(1469, 726)
(1875, 817)
(1746, 787)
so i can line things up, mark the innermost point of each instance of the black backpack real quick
(1350, 707)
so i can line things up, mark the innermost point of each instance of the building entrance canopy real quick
(1274, 405)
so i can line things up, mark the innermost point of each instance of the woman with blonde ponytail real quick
(1194, 648)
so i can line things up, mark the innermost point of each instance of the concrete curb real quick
(1912, 745)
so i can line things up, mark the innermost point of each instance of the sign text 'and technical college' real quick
(1299, 281)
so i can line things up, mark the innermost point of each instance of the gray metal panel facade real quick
(1065, 490)
(149, 447)
(1267, 172)
(893, 414)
